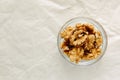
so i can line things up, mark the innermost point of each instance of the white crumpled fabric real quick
(28, 39)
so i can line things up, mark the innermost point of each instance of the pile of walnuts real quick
(82, 42)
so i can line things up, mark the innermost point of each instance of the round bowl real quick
(98, 26)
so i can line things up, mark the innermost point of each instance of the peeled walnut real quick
(91, 38)
(73, 51)
(89, 28)
(64, 46)
(98, 39)
(80, 51)
(67, 32)
(80, 40)
(80, 27)
(90, 41)
(75, 35)
(74, 58)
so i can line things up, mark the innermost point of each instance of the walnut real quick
(90, 42)
(80, 40)
(75, 58)
(98, 39)
(64, 46)
(89, 28)
(67, 32)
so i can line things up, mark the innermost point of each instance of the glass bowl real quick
(98, 26)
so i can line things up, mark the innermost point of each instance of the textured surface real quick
(28, 39)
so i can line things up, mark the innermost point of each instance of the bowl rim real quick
(62, 54)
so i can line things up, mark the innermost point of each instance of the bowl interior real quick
(72, 22)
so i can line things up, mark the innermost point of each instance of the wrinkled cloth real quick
(28, 39)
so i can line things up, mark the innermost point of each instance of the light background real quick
(28, 39)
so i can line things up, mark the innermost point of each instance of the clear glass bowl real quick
(98, 26)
